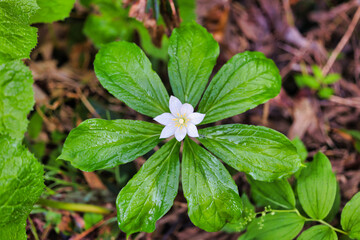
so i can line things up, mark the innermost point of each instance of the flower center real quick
(181, 121)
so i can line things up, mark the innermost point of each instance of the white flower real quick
(180, 121)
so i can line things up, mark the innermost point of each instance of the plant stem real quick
(327, 224)
(79, 207)
(33, 228)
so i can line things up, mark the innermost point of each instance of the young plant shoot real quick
(245, 81)
(318, 202)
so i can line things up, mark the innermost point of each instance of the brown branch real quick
(91, 229)
(342, 42)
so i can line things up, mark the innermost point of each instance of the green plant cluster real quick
(318, 82)
(21, 175)
(111, 22)
(313, 198)
(245, 81)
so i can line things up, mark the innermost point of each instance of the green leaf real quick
(17, 38)
(248, 215)
(299, 81)
(263, 153)
(277, 194)
(151, 192)
(307, 80)
(125, 71)
(354, 133)
(325, 93)
(51, 11)
(245, 81)
(318, 232)
(147, 44)
(90, 219)
(350, 217)
(104, 29)
(193, 53)
(316, 187)
(14, 230)
(284, 226)
(16, 98)
(336, 206)
(317, 72)
(301, 148)
(211, 193)
(97, 144)
(35, 125)
(332, 78)
(21, 182)
(187, 10)
(357, 145)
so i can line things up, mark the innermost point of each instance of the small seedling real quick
(318, 82)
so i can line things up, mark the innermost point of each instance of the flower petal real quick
(175, 105)
(164, 119)
(168, 131)
(192, 130)
(186, 109)
(180, 133)
(196, 118)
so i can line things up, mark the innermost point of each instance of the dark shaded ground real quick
(291, 32)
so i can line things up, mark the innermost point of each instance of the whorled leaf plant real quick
(247, 80)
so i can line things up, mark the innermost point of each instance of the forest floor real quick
(295, 34)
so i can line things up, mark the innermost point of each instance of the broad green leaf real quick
(97, 144)
(187, 10)
(325, 93)
(17, 38)
(277, 194)
(318, 232)
(302, 151)
(211, 193)
(301, 148)
(336, 206)
(125, 71)
(51, 11)
(14, 230)
(350, 217)
(193, 53)
(103, 29)
(245, 81)
(332, 78)
(21, 182)
(248, 215)
(261, 152)
(284, 226)
(151, 192)
(316, 187)
(16, 98)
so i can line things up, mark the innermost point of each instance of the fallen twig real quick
(342, 42)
